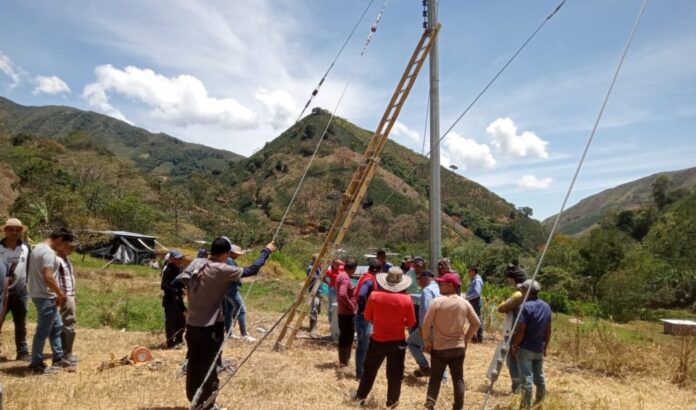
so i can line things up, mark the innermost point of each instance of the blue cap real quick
(175, 254)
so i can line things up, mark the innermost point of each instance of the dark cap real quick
(175, 254)
(427, 273)
(418, 260)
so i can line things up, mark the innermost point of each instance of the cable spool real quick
(140, 355)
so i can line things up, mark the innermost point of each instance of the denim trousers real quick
(235, 310)
(415, 346)
(364, 329)
(48, 326)
(531, 369)
(514, 372)
(332, 300)
(441, 360)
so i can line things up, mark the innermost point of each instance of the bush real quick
(559, 302)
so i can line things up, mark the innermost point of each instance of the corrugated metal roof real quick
(126, 234)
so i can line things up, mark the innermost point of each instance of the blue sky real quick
(233, 74)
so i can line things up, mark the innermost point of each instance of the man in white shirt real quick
(16, 254)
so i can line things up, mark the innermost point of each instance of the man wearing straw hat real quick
(391, 312)
(16, 254)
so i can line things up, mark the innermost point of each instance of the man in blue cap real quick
(173, 301)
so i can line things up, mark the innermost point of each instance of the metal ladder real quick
(354, 194)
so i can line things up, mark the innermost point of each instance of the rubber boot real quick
(67, 341)
(344, 355)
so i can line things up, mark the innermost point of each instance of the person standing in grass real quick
(68, 312)
(391, 313)
(429, 291)
(474, 296)
(448, 326)
(173, 301)
(514, 275)
(207, 281)
(233, 307)
(48, 299)
(16, 254)
(530, 342)
(366, 285)
(345, 296)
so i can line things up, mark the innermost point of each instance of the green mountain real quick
(158, 153)
(590, 211)
(71, 167)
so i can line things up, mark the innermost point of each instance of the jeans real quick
(395, 353)
(514, 372)
(441, 359)
(332, 300)
(235, 309)
(17, 304)
(415, 346)
(314, 313)
(203, 344)
(364, 329)
(531, 370)
(477, 304)
(48, 326)
(68, 314)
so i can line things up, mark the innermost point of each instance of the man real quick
(366, 285)
(331, 275)
(430, 290)
(443, 266)
(48, 298)
(233, 307)
(207, 282)
(316, 300)
(447, 336)
(4, 269)
(382, 259)
(514, 276)
(391, 312)
(417, 268)
(345, 297)
(173, 301)
(68, 312)
(473, 295)
(16, 254)
(530, 342)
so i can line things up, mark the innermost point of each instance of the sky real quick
(235, 74)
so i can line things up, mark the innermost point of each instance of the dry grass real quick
(304, 376)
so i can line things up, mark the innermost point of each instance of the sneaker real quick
(42, 369)
(422, 372)
(233, 337)
(249, 339)
(23, 357)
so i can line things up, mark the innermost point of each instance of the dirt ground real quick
(305, 376)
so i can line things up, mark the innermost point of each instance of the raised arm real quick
(255, 267)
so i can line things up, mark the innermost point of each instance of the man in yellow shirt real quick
(448, 327)
(514, 275)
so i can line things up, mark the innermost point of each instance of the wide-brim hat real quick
(15, 223)
(394, 280)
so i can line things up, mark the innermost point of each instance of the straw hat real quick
(394, 280)
(15, 223)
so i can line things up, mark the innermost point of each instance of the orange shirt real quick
(390, 314)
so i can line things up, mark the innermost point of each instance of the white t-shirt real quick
(17, 257)
(42, 256)
(66, 277)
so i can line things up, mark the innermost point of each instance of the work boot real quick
(422, 372)
(313, 327)
(344, 355)
(23, 357)
(41, 368)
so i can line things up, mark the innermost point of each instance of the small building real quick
(123, 247)
(679, 327)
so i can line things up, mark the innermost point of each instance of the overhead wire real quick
(478, 97)
(572, 184)
(368, 41)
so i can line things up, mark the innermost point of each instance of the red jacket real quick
(345, 294)
(333, 275)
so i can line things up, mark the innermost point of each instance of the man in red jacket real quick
(346, 311)
(391, 313)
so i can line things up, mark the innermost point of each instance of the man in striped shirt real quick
(68, 312)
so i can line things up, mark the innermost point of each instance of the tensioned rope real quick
(373, 30)
(572, 185)
(476, 99)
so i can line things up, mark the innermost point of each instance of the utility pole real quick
(435, 201)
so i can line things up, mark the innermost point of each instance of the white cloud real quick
(182, 100)
(401, 130)
(281, 106)
(50, 85)
(466, 153)
(9, 68)
(509, 143)
(532, 182)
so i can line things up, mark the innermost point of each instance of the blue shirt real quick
(428, 293)
(234, 286)
(475, 288)
(316, 276)
(536, 314)
(386, 267)
(364, 294)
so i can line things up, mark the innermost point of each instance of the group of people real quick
(45, 274)
(392, 309)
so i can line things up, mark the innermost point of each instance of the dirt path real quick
(303, 377)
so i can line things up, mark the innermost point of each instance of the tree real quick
(602, 252)
(527, 211)
(660, 190)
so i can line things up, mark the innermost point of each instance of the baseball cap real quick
(533, 285)
(450, 277)
(175, 254)
(418, 260)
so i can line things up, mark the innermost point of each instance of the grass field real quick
(592, 364)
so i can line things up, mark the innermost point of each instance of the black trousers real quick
(395, 353)
(441, 359)
(174, 321)
(203, 345)
(18, 306)
(346, 327)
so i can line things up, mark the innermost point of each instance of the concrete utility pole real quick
(435, 202)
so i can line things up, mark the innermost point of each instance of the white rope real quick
(572, 185)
